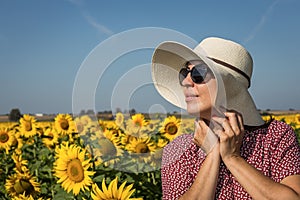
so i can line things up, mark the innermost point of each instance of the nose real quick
(188, 82)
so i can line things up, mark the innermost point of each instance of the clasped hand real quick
(227, 131)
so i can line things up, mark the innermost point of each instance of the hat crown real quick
(229, 52)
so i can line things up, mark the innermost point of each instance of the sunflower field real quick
(86, 158)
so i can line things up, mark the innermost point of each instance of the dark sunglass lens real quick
(182, 74)
(199, 73)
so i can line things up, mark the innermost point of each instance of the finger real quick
(204, 137)
(241, 122)
(220, 133)
(214, 125)
(220, 130)
(198, 134)
(218, 121)
(234, 122)
(224, 122)
(200, 127)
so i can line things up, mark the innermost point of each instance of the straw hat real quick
(230, 63)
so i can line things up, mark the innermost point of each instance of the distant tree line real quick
(14, 115)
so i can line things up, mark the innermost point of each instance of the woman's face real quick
(199, 97)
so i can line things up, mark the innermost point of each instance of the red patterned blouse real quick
(274, 150)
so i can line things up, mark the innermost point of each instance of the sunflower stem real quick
(36, 172)
(153, 178)
(6, 166)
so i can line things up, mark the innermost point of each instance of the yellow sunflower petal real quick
(104, 189)
(120, 191)
(127, 192)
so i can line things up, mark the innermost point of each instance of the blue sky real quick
(43, 45)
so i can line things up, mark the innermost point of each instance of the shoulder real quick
(276, 134)
(281, 137)
(279, 130)
(279, 126)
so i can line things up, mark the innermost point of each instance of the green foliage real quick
(40, 163)
(41, 159)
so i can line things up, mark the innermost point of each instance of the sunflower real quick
(84, 125)
(7, 139)
(161, 143)
(170, 127)
(114, 128)
(106, 147)
(112, 191)
(28, 126)
(50, 137)
(140, 145)
(86, 120)
(22, 184)
(151, 126)
(64, 124)
(71, 168)
(141, 150)
(80, 127)
(19, 142)
(135, 123)
(20, 164)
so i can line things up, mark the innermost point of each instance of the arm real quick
(255, 183)
(204, 186)
(260, 186)
(205, 183)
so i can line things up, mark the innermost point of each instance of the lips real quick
(190, 97)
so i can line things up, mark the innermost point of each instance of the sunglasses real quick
(198, 73)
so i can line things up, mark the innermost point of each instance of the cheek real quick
(206, 94)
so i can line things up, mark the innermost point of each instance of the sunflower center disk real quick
(142, 148)
(50, 136)
(3, 137)
(28, 126)
(75, 170)
(171, 128)
(80, 127)
(23, 186)
(64, 124)
(138, 123)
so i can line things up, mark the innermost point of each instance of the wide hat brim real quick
(167, 60)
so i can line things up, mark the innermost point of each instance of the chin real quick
(198, 111)
(193, 109)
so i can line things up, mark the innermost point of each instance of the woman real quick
(233, 153)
